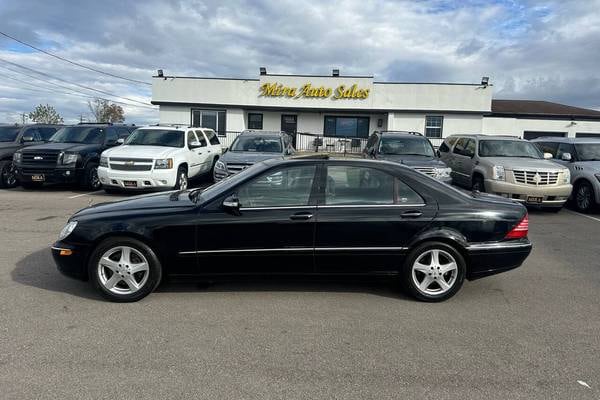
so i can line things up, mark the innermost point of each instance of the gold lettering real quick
(339, 92)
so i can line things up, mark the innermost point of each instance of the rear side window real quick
(358, 186)
(201, 139)
(212, 137)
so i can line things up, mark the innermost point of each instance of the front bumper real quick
(487, 259)
(74, 264)
(220, 174)
(552, 195)
(54, 175)
(153, 179)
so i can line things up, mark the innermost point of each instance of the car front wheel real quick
(182, 179)
(8, 175)
(433, 272)
(584, 197)
(90, 177)
(124, 269)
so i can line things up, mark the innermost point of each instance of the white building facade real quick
(352, 107)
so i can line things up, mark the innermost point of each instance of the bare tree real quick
(104, 111)
(45, 114)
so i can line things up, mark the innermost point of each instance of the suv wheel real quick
(433, 271)
(90, 177)
(584, 197)
(124, 269)
(8, 175)
(182, 179)
(478, 184)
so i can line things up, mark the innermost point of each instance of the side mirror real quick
(566, 157)
(548, 156)
(27, 139)
(288, 152)
(232, 205)
(120, 141)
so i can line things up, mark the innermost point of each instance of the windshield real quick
(508, 148)
(260, 144)
(406, 146)
(79, 134)
(8, 133)
(588, 151)
(156, 137)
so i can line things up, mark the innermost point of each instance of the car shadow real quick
(38, 270)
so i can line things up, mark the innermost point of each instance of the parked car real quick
(409, 148)
(582, 157)
(507, 166)
(159, 157)
(250, 147)
(15, 137)
(71, 155)
(299, 217)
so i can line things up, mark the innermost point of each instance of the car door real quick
(274, 231)
(461, 162)
(198, 155)
(365, 219)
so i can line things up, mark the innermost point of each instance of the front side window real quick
(588, 151)
(201, 139)
(280, 188)
(508, 148)
(406, 146)
(565, 148)
(111, 135)
(255, 121)
(156, 137)
(547, 147)
(259, 144)
(433, 126)
(347, 126)
(358, 186)
(9, 133)
(79, 134)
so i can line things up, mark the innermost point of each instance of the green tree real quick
(45, 114)
(104, 111)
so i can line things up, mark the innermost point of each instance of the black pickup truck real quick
(72, 155)
(15, 137)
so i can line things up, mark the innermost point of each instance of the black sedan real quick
(299, 217)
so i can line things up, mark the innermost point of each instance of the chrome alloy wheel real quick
(183, 180)
(583, 197)
(434, 272)
(123, 270)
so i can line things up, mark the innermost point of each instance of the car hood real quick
(412, 160)
(8, 145)
(511, 163)
(172, 199)
(58, 147)
(248, 157)
(140, 151)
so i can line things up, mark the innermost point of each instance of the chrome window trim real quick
(371, 205)
(388, 248)
(277, 208)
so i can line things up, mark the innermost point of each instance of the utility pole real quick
(23, 117)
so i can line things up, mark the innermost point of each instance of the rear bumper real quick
(154, 179)
(552, 195)
(73, 265)
(487, 259)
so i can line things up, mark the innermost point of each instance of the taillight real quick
(520, 230)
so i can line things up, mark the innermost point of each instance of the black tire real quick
(182, 179)
(584, 199)
(478, 184)
(32, 185)
(150, 283)
(422, 249)
(90, 177)
(8, 175)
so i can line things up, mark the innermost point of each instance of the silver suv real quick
(582, 157)
(507, 166)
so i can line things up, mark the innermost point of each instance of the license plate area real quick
(534, 199)
(130, 183)
(38, 178)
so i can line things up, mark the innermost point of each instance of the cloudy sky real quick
(548, 50)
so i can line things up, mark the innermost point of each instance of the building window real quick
(211, 119)
(433, 126)
(255, 121)
(347, 126)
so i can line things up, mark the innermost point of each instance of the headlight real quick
(68, 158)
(442, 172)
(566, 176)
(104, 162)
(66, 231)
(220, 165)
(17, 157)
(164, 163)
(498, 173)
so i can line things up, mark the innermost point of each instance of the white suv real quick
(159, 157)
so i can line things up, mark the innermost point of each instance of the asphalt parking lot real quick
(530, 333)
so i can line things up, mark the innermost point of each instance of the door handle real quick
(301, 216)
(411, 214)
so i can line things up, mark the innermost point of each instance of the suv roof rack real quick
(405, 132)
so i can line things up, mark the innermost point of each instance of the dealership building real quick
(338, 106)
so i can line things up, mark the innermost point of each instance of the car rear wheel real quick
(433, 272)
(124, 269)
(478, 184)
(182, 179)
(8, 175)
(584, 197)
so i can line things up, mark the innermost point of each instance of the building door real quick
(289, 124)
(528, 135)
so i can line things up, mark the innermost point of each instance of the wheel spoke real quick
(435, 258)
(108, 263)
(448, 267)
(422, 268)
(112, 282)
(425, 283)
(130, 281)
(443, 284)
(125, 254)
(133, 268)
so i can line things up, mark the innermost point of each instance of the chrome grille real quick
(235, 168)
(535, 177)
(130, 164)
(425, 170)
(39, 158)
(127, 167)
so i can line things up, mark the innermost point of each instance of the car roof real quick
(407, 134)
(250, 132)
(567, 139)
(337, 159)
(484, 136)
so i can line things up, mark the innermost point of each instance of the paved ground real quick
(530, 333)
